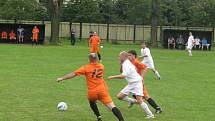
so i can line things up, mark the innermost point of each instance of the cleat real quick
(159, 111)
(150, 116)
(130, 104)
(99, 118)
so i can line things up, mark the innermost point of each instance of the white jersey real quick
(130, 73)
(146, 52)
(190, 41)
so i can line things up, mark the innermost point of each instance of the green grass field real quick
(29, 91)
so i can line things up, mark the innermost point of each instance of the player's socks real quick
(117, 113)
(95, 109)
(157, 74)
(127, 99)
(153, 104)
(145, 107)
(99, 56)
(190, 53)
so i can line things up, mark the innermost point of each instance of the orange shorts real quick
(145, 92)
(101, 95)
(35, 37)
(94, 49)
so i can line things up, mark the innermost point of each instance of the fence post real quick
(80, 35)
(108, 25)
(134, 36)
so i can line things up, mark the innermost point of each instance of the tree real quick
(22, 10)
(54, 11)
(154, 23)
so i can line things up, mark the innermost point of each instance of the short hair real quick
(124, 53)
(133, 52)
(93, 57)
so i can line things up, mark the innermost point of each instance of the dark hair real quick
(133, 52)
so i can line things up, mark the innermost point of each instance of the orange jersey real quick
(94, 40)
(94, 73)
(139, 66)
(35, 32)
(97, 88)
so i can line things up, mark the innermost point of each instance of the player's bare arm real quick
(116, 77)
(65, 77)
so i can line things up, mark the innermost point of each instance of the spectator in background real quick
(205, 43)
(4, 35)
(20, 35)
(73, 37)
(171, 43)
(180, 42)
(35, 37)
(12, 36)
(197, 43)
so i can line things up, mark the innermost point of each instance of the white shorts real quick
(150, 65)
(189, 47)
(135, 88)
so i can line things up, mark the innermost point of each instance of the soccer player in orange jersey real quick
(97, 88)
(94, 42)
(35, 37)
(141, 69)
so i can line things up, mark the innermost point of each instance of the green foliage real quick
(171, 12)
(22, 9)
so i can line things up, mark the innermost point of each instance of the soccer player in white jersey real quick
(190, 44)
(148, 60)
(134, 87)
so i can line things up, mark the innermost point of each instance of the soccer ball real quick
(101, 46)
(62, 106)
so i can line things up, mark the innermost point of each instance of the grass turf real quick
(29, 91)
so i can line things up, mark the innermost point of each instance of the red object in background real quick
(12, 35)
(4, 35)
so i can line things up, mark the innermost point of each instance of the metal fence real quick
(116, 32)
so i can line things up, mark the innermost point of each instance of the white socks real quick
(128, 99)
(157, 74)
(190, 53)
(145, 107)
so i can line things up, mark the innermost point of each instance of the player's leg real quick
(115, 111)
(36, 41)
(22, 38)
(151, 65)
(151, 101)
(95, 109)
(98, 53)
(92, 97)
(144, 106)
(105, 98)
(123, 95)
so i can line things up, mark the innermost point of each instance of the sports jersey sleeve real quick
(141, 65)
(125, 69)
(80, 71)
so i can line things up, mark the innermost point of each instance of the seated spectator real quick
(171, 43)
(205, 43)
(197, 43)
(4, 35)
(12, 37)
(180, 42)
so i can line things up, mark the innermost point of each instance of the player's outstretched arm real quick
(116, 77)
(68, 76)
